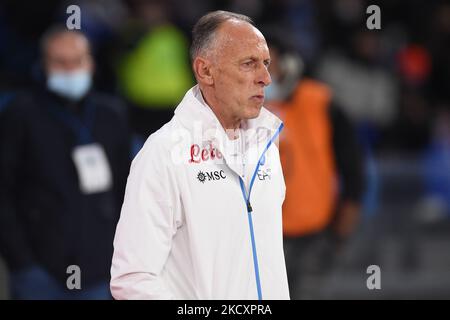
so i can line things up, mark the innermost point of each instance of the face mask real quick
(272, 91)
(72, 85)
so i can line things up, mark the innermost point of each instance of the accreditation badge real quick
(94, 172)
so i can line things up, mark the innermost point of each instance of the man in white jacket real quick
(201, 217)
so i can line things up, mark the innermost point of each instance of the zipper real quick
(250, 210)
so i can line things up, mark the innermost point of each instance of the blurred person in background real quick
(322, 165)
(365, 89)
(64, 159)
(153, 69)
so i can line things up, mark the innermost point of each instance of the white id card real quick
(94, 173)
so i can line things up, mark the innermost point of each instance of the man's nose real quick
(71, 66)
(264, 77)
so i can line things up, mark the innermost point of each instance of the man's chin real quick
(254, 113)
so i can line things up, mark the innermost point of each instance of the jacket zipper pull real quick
(249, 207)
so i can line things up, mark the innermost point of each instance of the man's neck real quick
(230, 125)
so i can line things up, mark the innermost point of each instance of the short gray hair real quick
(206, 26)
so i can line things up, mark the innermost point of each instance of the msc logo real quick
(210, 176)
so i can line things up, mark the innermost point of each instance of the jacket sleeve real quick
(147, 224)
(14, 247)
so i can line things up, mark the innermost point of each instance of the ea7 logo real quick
(210, 176)
(264, 174)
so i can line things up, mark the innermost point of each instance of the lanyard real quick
(81, 126)
(246, 196)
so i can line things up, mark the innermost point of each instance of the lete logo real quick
(203, 154)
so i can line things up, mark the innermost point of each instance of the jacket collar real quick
(195, 115)
(205, 130)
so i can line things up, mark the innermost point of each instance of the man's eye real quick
(248, 63)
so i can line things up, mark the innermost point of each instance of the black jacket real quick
(45, 219)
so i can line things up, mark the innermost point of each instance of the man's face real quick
(239, 69)
(67, 52)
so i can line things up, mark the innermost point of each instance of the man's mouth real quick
(258, 97)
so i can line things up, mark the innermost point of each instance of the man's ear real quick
(202, 70)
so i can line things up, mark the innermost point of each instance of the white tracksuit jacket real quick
(186, 231)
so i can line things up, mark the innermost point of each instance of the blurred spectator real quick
(154, 71)
(367, 91)
(64, 159)
(101, 22)
(322, 165)
(410, 128)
